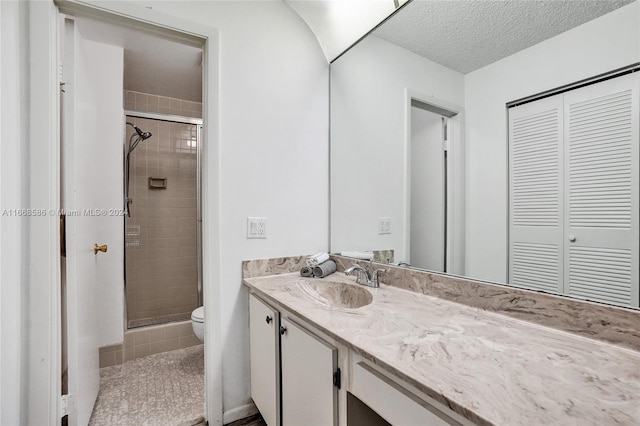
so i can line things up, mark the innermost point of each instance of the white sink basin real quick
(337, 294)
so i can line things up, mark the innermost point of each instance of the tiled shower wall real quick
(161, 263)
(162, 104)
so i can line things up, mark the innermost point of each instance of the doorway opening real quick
(115, 73)
(434, 197)
(428, 242)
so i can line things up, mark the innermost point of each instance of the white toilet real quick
(197, 322)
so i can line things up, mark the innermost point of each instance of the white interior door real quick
(601, 186)
(91, 169)
(427, 227)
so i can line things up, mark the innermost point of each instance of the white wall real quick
(274, 141)
(106, 66)
(13, 166)
(602, 45)
(368, 125)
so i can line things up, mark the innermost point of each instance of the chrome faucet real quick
(364, 277)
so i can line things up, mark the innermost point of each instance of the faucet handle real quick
(374, 277)
(362, 277)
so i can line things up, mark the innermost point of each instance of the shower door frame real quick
(199, 125)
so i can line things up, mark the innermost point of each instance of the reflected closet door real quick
(536, 195)
(601, 186)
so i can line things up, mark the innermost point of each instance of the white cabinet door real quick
(263, 332)
(309, 396)
(601, 191)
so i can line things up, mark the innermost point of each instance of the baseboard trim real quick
(238, 413)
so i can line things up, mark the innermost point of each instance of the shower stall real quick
(163, 261)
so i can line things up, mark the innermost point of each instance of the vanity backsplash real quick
(610, 324)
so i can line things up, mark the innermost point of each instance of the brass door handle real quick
(97, 248)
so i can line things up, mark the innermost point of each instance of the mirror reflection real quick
(433, 158)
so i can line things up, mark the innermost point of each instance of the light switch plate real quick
(384, 225)
(256, 227)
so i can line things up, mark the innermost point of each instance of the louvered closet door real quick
(536, 217)
(601, 187)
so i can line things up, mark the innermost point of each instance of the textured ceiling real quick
(465, 35)
(152, 63)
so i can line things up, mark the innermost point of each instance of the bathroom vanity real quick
(301, 364)
(418, 359)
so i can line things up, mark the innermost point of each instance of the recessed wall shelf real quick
(157, 183)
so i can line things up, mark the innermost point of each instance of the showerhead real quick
(141, 136)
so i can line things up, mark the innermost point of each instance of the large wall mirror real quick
(422, 159)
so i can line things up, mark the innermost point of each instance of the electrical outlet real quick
(256, 227)
(384, 225)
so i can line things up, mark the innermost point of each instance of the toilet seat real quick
(198, 315)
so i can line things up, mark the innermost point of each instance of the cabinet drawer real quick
(395, 404)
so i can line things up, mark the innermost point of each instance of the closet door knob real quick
(283, 330)
(572, 238)
(268, 319)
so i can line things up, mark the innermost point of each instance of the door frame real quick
(42, 350)
(455, 165)
(44, 284)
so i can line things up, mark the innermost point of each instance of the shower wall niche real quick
(161, 253)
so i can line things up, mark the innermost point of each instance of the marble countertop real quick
(490, 368)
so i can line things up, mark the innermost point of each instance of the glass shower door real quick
(161, 253)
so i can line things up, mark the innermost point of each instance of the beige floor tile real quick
(165, 389)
